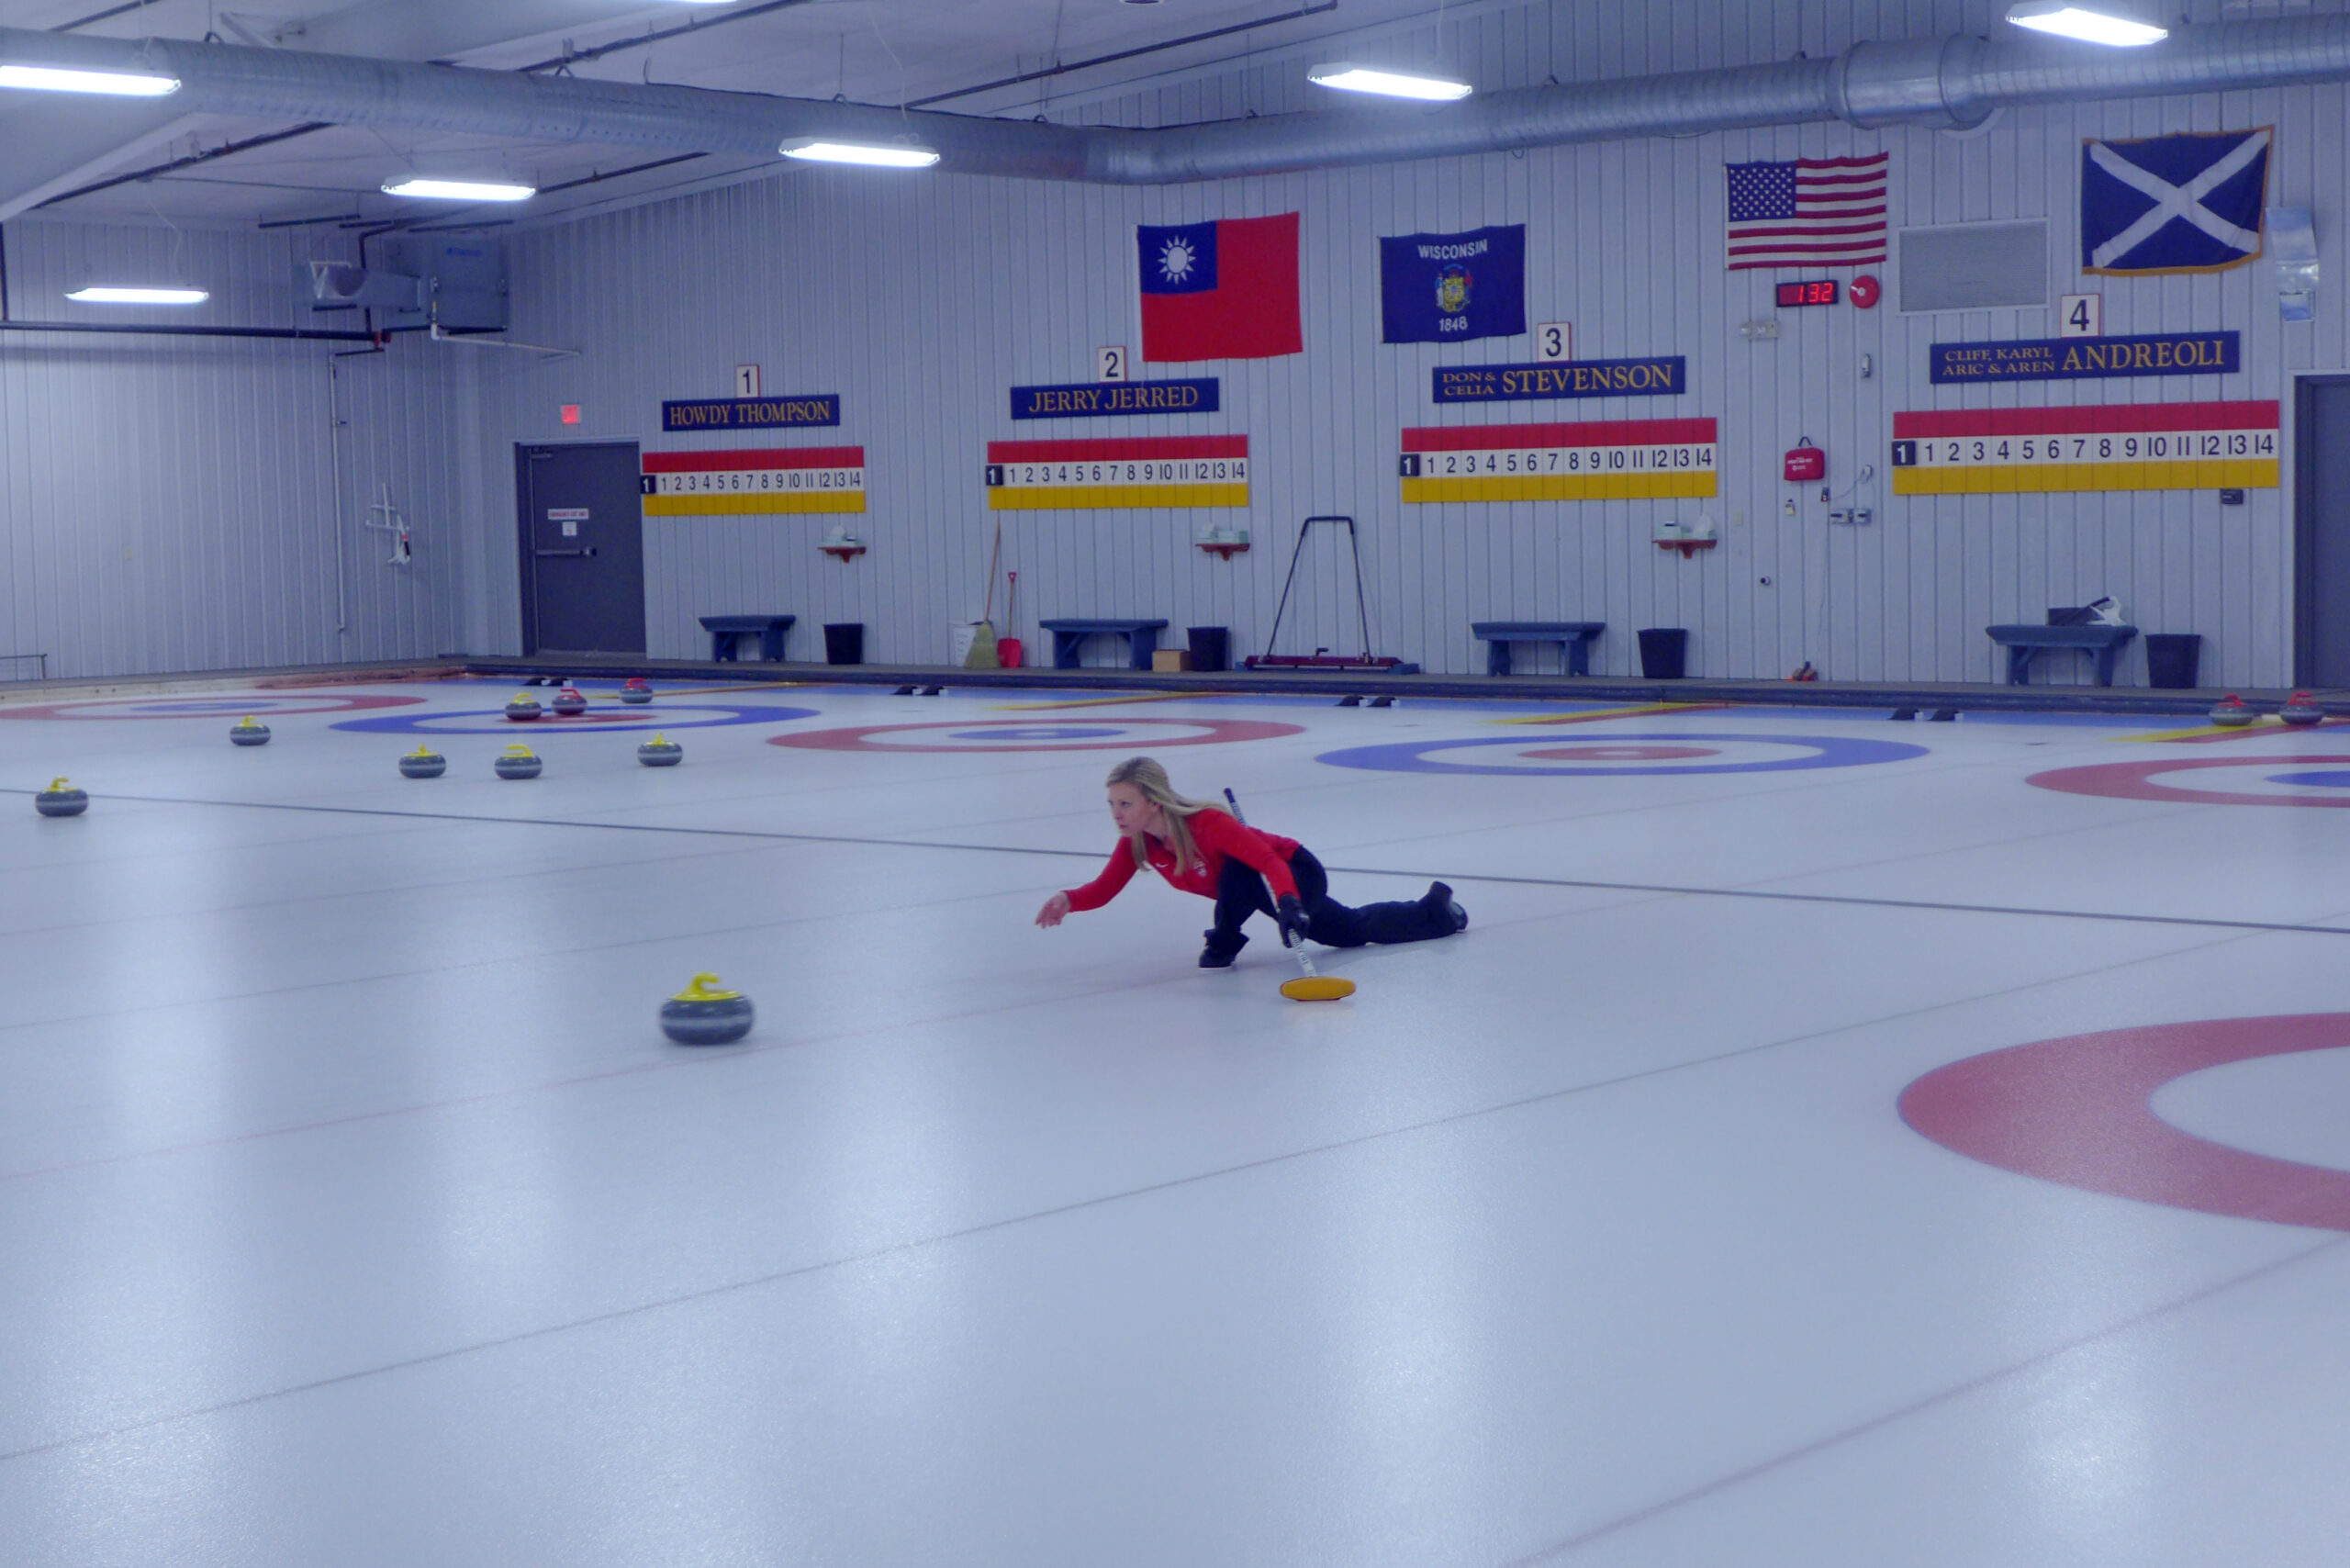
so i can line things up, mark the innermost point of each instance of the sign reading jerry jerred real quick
(1090, 399)
(751, 413)
(2082, 359)
(1573, 378)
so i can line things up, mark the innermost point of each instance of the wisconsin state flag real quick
(1224, 290)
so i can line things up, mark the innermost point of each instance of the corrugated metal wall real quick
(167, 504)
(922, 300)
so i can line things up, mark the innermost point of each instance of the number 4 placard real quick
(2080, 316)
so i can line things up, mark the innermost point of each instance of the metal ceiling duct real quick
(1946, 82)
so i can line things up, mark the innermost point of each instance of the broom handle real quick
(995, 556)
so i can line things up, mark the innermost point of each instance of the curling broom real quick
(1310, 986)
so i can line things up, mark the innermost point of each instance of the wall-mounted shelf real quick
(1687, 547)
(842, 551)
(1226, 548)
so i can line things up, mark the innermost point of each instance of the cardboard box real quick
(1170, 659)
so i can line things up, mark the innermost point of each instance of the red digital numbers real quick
(1818, 291)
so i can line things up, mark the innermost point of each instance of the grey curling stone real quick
(424, 763)
(636, 694)
(660, 752)
(246, 732)
(2301, 712)
(518, 762)
(569, 704)
(522, 709)
(704, 1014)
(61, 800)
(2232, 714)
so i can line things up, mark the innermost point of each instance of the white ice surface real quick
(352, 1211)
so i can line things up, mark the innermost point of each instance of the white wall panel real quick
(168, 504)
(920, 300)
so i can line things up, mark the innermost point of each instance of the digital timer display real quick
(1818, 291)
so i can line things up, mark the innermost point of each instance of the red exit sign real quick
(1818, 291)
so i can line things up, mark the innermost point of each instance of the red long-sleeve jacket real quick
(1218, 836)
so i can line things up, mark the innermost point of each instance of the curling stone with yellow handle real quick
(249, 731)
(424, 763)
(705, 1015)
(660, 752)
(61, 800)
(518, 761)
(524, 709)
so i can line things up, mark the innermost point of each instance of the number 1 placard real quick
(2116, 446)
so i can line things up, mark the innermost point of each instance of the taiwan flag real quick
(1226, 290)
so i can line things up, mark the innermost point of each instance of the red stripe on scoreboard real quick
(1118, 449)
(766, 458)
(2102, 420)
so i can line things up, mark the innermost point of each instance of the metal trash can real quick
(844, 642)
(2172, 657)
(1211, 647)
(1664, 652)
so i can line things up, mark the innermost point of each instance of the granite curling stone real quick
(660, 752)
(524, 709)
(61, 800)
(636, 692)
(703, 1014)
(424, 763)
(249, 732)
(569, 704)
(2232, 713)
(518, 761)
(2300, 711)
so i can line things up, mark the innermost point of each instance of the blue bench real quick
(723, 629)
(2103, 643)
(1142, 639)
(1575, 639)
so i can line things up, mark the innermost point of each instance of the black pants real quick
(1241, 892)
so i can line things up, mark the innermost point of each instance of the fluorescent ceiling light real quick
(1351, 78)
(2092, 21)
(58, 79)
(459, 190)
(879, 155)
(110, 294)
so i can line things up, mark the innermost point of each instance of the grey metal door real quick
(583, 549)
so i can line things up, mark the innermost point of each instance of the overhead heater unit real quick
(456, 284)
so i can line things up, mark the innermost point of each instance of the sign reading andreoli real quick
(1089, 399)
(751, 413)
(2082, 359)
(1574, 378)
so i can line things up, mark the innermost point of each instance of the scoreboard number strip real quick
(1601, 460)
(705, 483)
(2150, 446)
(1167, 471)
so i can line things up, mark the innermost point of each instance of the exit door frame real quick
(2304, 505)
(525, 519)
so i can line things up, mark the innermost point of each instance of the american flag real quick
(1810, 212)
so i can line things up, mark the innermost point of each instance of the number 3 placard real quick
(1554, 341)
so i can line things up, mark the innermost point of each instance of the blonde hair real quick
(1144, 774)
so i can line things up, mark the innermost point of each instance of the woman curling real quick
(1205, 851)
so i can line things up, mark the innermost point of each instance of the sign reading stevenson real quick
(1573, 378)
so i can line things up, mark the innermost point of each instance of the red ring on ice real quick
(2135, 781)
(1218, 732)
(2077, 1110)
(228, 705)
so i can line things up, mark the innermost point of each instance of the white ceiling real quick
(871, 50)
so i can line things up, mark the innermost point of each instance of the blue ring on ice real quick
(2332, 778)
(1828, 751)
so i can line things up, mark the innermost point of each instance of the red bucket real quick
(1007, 652)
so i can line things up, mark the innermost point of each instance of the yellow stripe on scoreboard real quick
(1056, 497)
(753, 505)
(2256, 473)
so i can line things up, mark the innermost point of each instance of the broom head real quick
(1317, 988)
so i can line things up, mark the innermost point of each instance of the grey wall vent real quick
(1975, 266)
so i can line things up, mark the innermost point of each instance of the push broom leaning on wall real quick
(980, 652)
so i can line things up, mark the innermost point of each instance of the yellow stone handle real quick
(705, 988)
(518, 750)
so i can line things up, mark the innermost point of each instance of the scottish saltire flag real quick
(2173, 204)
(1807, 212)
(1224, 290)
(1447, 288)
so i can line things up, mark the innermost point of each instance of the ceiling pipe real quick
(1946, 82)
